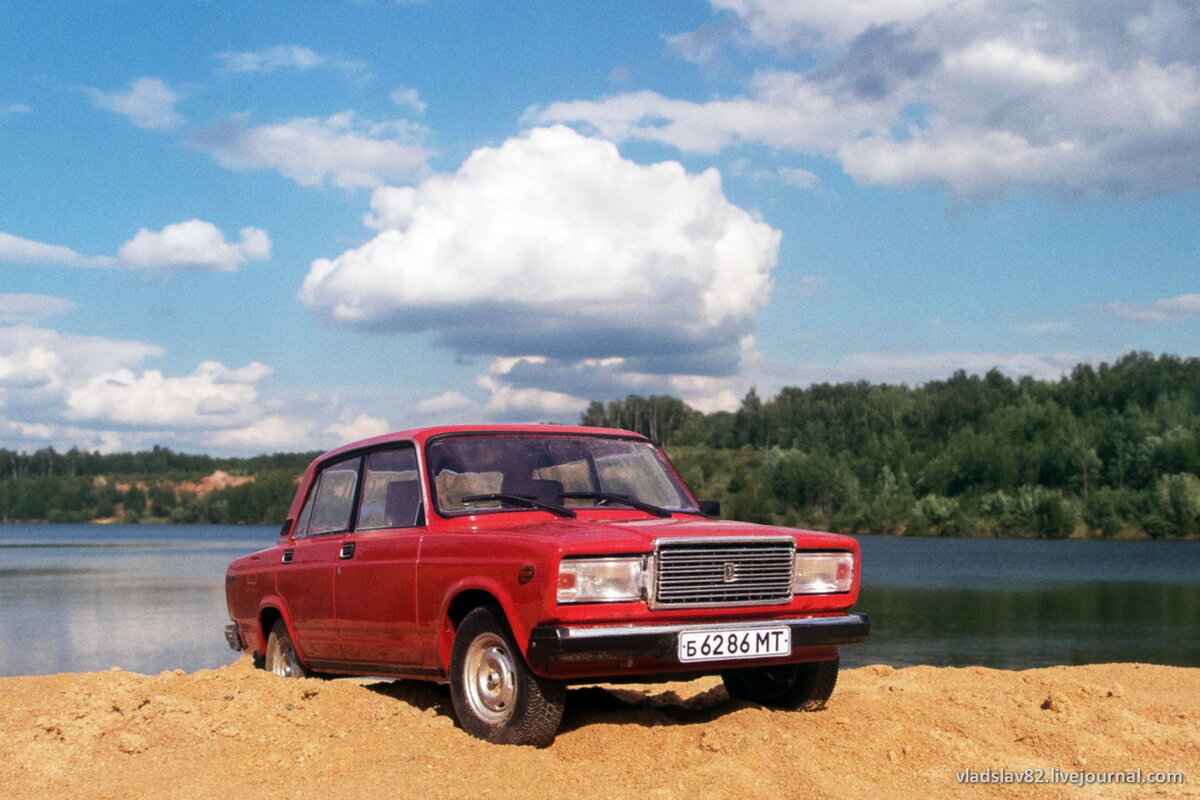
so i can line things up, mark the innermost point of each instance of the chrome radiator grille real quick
(723, 572)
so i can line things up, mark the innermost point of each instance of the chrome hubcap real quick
(283, 659)
(489, 678)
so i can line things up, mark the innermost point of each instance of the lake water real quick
(151, 597)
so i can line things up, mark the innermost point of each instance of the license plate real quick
(725, 644)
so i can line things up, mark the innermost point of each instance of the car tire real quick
(496, 696)
(281, 657)
(796, 687)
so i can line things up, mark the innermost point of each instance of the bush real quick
(1173, 506)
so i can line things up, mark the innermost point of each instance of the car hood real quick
(618, 536)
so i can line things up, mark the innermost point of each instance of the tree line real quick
(80, 486)
(1111, 450)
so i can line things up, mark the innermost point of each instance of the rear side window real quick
(329, 505)
(391, 491)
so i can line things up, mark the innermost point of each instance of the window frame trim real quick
(315, 489)
(362, 486)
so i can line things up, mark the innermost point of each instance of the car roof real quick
(422, 435)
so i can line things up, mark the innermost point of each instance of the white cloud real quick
(27, 251)
(800, 178)
(525, 402)
(270, 433)
(702, 46)
(830, 23)
(540, 389)
(921, 367)
(1045, 327)
(503, 401)
(980, 98)
(445, 403)
(784, 111)
(286, 57)
(37, 366)
(31, 307)
(404, 96)
(213, 396)
(552, 244)
(310, 151)
(532, 388)
(15, 108)
(91, 392)
(1169, 309)
(149, 104)
(362, 426)
(195, 245)
(26, 436)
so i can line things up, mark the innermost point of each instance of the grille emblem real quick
(730, 572)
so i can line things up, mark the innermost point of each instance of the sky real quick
(233, 227)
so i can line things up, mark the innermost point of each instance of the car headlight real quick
(600, 580)
(823, 573)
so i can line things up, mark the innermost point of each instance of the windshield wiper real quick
(522, 500)
(624, 500)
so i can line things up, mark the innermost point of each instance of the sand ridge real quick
(887, 733)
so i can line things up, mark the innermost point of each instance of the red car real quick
(511, 561)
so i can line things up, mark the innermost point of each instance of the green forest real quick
(78, 486)
(1107, 451)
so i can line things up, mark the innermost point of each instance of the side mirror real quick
(710, 508)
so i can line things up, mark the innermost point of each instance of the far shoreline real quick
(1123, 537)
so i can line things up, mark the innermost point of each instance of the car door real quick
(375, 582)
(305, 580)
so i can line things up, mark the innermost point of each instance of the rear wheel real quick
(496, 696)
(802, 687)
(281, 654)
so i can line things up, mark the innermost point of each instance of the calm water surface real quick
(1019, 603)
(145, 598)
(148, 598)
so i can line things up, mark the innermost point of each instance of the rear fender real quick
(271, 605)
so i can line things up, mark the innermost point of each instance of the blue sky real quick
(239, 227)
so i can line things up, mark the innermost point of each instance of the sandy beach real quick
(895, 733)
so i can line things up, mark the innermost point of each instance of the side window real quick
(329, 504)
(306, 514)
(391, 491)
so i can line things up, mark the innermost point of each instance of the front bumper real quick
(556, 644)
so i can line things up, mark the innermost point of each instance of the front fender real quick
(519, 627)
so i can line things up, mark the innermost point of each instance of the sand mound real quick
(238, 732)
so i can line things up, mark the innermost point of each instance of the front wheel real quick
(281, 655)
(796, 687)
(496, 697)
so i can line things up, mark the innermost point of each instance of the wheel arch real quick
(462, 601)
(271, 611)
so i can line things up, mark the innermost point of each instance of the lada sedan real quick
(511, 561)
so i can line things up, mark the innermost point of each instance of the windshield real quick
(544, 467)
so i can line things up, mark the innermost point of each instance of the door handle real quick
(347, 550)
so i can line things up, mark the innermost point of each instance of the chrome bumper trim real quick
(643, 630)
